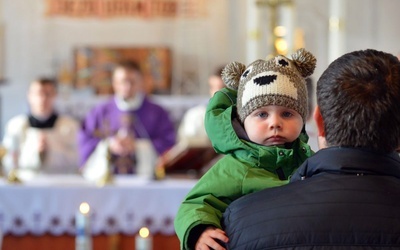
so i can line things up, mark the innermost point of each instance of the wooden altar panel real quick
(101, 242)
(93, 67)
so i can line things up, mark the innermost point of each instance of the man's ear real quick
(319, 121)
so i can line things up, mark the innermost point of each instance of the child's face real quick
(273, 125)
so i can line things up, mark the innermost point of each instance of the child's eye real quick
(287, 114)
(262, 114)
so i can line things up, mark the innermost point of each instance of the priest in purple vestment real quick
(129, 129)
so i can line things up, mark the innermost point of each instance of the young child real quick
(261, 136)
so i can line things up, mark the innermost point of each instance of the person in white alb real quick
(41, 141)
(192, 127)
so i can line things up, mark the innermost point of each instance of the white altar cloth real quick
(49, 204)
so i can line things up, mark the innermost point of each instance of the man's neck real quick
(132, 103)
(42, 122)
(41, 116)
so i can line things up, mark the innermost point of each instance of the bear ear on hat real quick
(305, 62)
(231, 74)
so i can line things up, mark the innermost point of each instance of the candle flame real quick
(84, 208)
(144, 232)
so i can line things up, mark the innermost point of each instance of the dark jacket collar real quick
(341, 160)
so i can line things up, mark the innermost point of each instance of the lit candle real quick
(83, 239)
(144, 241)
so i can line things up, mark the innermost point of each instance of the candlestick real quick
(83, 239)
(144, 241)
(13, 173)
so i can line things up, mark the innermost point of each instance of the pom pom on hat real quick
(305, 62)
(231, 74)
(277, 81)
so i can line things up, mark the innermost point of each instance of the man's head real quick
(215, 82)
(41, 96)
(358, 101)
(127, 80)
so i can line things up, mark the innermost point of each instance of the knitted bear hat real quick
(278, 81)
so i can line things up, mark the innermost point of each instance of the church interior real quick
(178, 44)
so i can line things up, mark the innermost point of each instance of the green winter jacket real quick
(246, 168)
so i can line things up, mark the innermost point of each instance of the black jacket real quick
(340, 198)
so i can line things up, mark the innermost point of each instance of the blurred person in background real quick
(192, 127)
(128, 132)
(41, 141)
(311, 127)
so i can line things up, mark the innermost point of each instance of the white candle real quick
(144, 241)
(83, 239)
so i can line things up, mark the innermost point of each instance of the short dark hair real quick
(218, 71)
(46, 81)
(358, 95)
(129, 65)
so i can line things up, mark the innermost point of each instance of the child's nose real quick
(275, 122)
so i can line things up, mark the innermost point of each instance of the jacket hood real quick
(228, 136)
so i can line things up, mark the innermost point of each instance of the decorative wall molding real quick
(126, 8)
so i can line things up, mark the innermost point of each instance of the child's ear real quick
(319, 121)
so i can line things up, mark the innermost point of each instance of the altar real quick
(46, 207)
